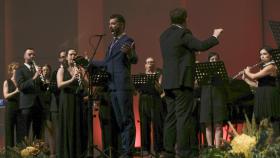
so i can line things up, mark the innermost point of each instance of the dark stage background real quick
(49, 26)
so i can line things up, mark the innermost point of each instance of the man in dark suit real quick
(152, 110)
(30, 104)
(119, 57)
(178, 47)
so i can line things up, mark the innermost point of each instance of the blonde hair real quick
(12, 66)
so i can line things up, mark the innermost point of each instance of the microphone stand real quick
(91, 146)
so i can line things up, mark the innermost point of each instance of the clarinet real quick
(79, 78)
(42, 78)
(80, 82)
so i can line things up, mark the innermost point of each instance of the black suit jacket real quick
(29, 89)
(178, 47)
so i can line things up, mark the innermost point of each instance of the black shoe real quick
(166, 155)
(145, 153)
(126, 156)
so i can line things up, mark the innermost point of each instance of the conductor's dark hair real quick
(178, 16)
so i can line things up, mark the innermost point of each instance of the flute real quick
(241, 72)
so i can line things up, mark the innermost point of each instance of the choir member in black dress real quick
(215, 94)
(11, 94)
(47, 96)
(54, 106)
(267, 97)
(69, 80)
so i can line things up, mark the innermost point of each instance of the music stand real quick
(97, 76)
(275, 28)
(276, 57)
(143, 83)
(204, 76)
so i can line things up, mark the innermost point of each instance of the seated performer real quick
(267, 97)
(215, 94)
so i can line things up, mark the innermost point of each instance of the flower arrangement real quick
(243, 144)
(29, 148)
(254, 142)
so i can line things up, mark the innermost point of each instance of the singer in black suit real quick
(30, 103)
(178, 47)
(119, 57)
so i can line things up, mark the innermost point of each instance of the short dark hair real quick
(211, 54)
(178, 15)
(119, 18)
(268, 49)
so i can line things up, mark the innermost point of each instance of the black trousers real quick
(11, 124)
(34, 115)
(180, 124)
(109, 130)
(152, 112)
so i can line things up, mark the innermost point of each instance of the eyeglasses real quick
(150, 62)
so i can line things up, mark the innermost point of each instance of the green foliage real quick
(250, 127)
(219, 153)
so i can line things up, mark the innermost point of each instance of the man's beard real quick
(115, 32)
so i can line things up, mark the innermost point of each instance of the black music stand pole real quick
(90, 151)
(93, 79)
(88, 67)
(205, 72)
(144, 82)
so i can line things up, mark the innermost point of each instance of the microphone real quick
(102, 34)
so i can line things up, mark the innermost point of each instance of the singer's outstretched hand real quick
(126, 48)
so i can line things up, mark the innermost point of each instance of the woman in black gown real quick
(11, 94)
(69, 78)
(215, 94)
(267, 97)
